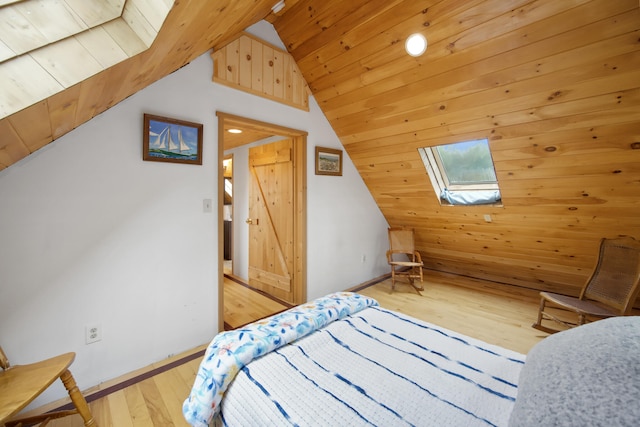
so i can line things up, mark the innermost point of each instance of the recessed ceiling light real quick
(234, 131)
(416, 44)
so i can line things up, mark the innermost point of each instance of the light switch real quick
(206, 206)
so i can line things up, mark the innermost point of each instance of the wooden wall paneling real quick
(278, 74)
(62, 111)
(603, 168)
(487, 125)
(153, 11)
(521, 134)
(33, 126)
(53, 20)
(328, 24)
(115, 85)
(231, 58)
(287, 83)
(555, 166)
(378, 58)
(256, 62)
(18, 77)
(376, 35)
(268, 81)
(505, 272)
(19, 35)
(439, 59)
(175, 46)
(564, 142)
(138, 23)
(430, 92)
(257, 66)
(244, 71)
(542, 88)
(91, 96)
(135, 74)
(99, 43)
(110, 94)
(94, 13)
(124, 36)
(12, 147)
(571, 274)
(5, 52)
(294, 25)
(554, 88)
(67, 61)
(360, 38)
(553, 85)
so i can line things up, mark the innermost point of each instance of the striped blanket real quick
(376, 367)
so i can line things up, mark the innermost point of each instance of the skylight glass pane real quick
(467, 162)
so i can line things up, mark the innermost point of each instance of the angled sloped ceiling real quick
(555, 86)
(190, 29)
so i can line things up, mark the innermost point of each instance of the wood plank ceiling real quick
(48, 46)
(554, 85)
(191, 28)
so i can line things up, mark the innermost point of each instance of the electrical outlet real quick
(364, 258)
(93, 333)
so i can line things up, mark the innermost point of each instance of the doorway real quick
(252, 131)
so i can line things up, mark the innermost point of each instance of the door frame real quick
(225, 158)
(299, 138)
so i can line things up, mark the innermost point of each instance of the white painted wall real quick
(91, 234)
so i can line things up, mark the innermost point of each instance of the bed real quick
(344, 360)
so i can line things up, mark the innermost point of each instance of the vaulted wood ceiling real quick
(191, 28)
(554, 85)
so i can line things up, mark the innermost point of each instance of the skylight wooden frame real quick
(440, 182)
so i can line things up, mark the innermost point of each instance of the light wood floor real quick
(243, 305)
(494, 313)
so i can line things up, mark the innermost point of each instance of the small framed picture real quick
(328, 161)
(171, 140)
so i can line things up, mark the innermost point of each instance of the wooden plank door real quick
(271, 219)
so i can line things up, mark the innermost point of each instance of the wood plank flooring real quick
(495, 313)
(243, 305)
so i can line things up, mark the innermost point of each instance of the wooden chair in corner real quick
(611, 290)
(21, 384)
(403, 257)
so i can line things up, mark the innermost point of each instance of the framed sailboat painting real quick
(171, 140)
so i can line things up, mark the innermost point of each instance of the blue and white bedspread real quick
(231, 351)
(375, 367)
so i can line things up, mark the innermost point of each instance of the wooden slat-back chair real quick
(611, 290)
(21, 384)
(403, 257)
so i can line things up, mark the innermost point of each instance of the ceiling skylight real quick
(47, 46)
